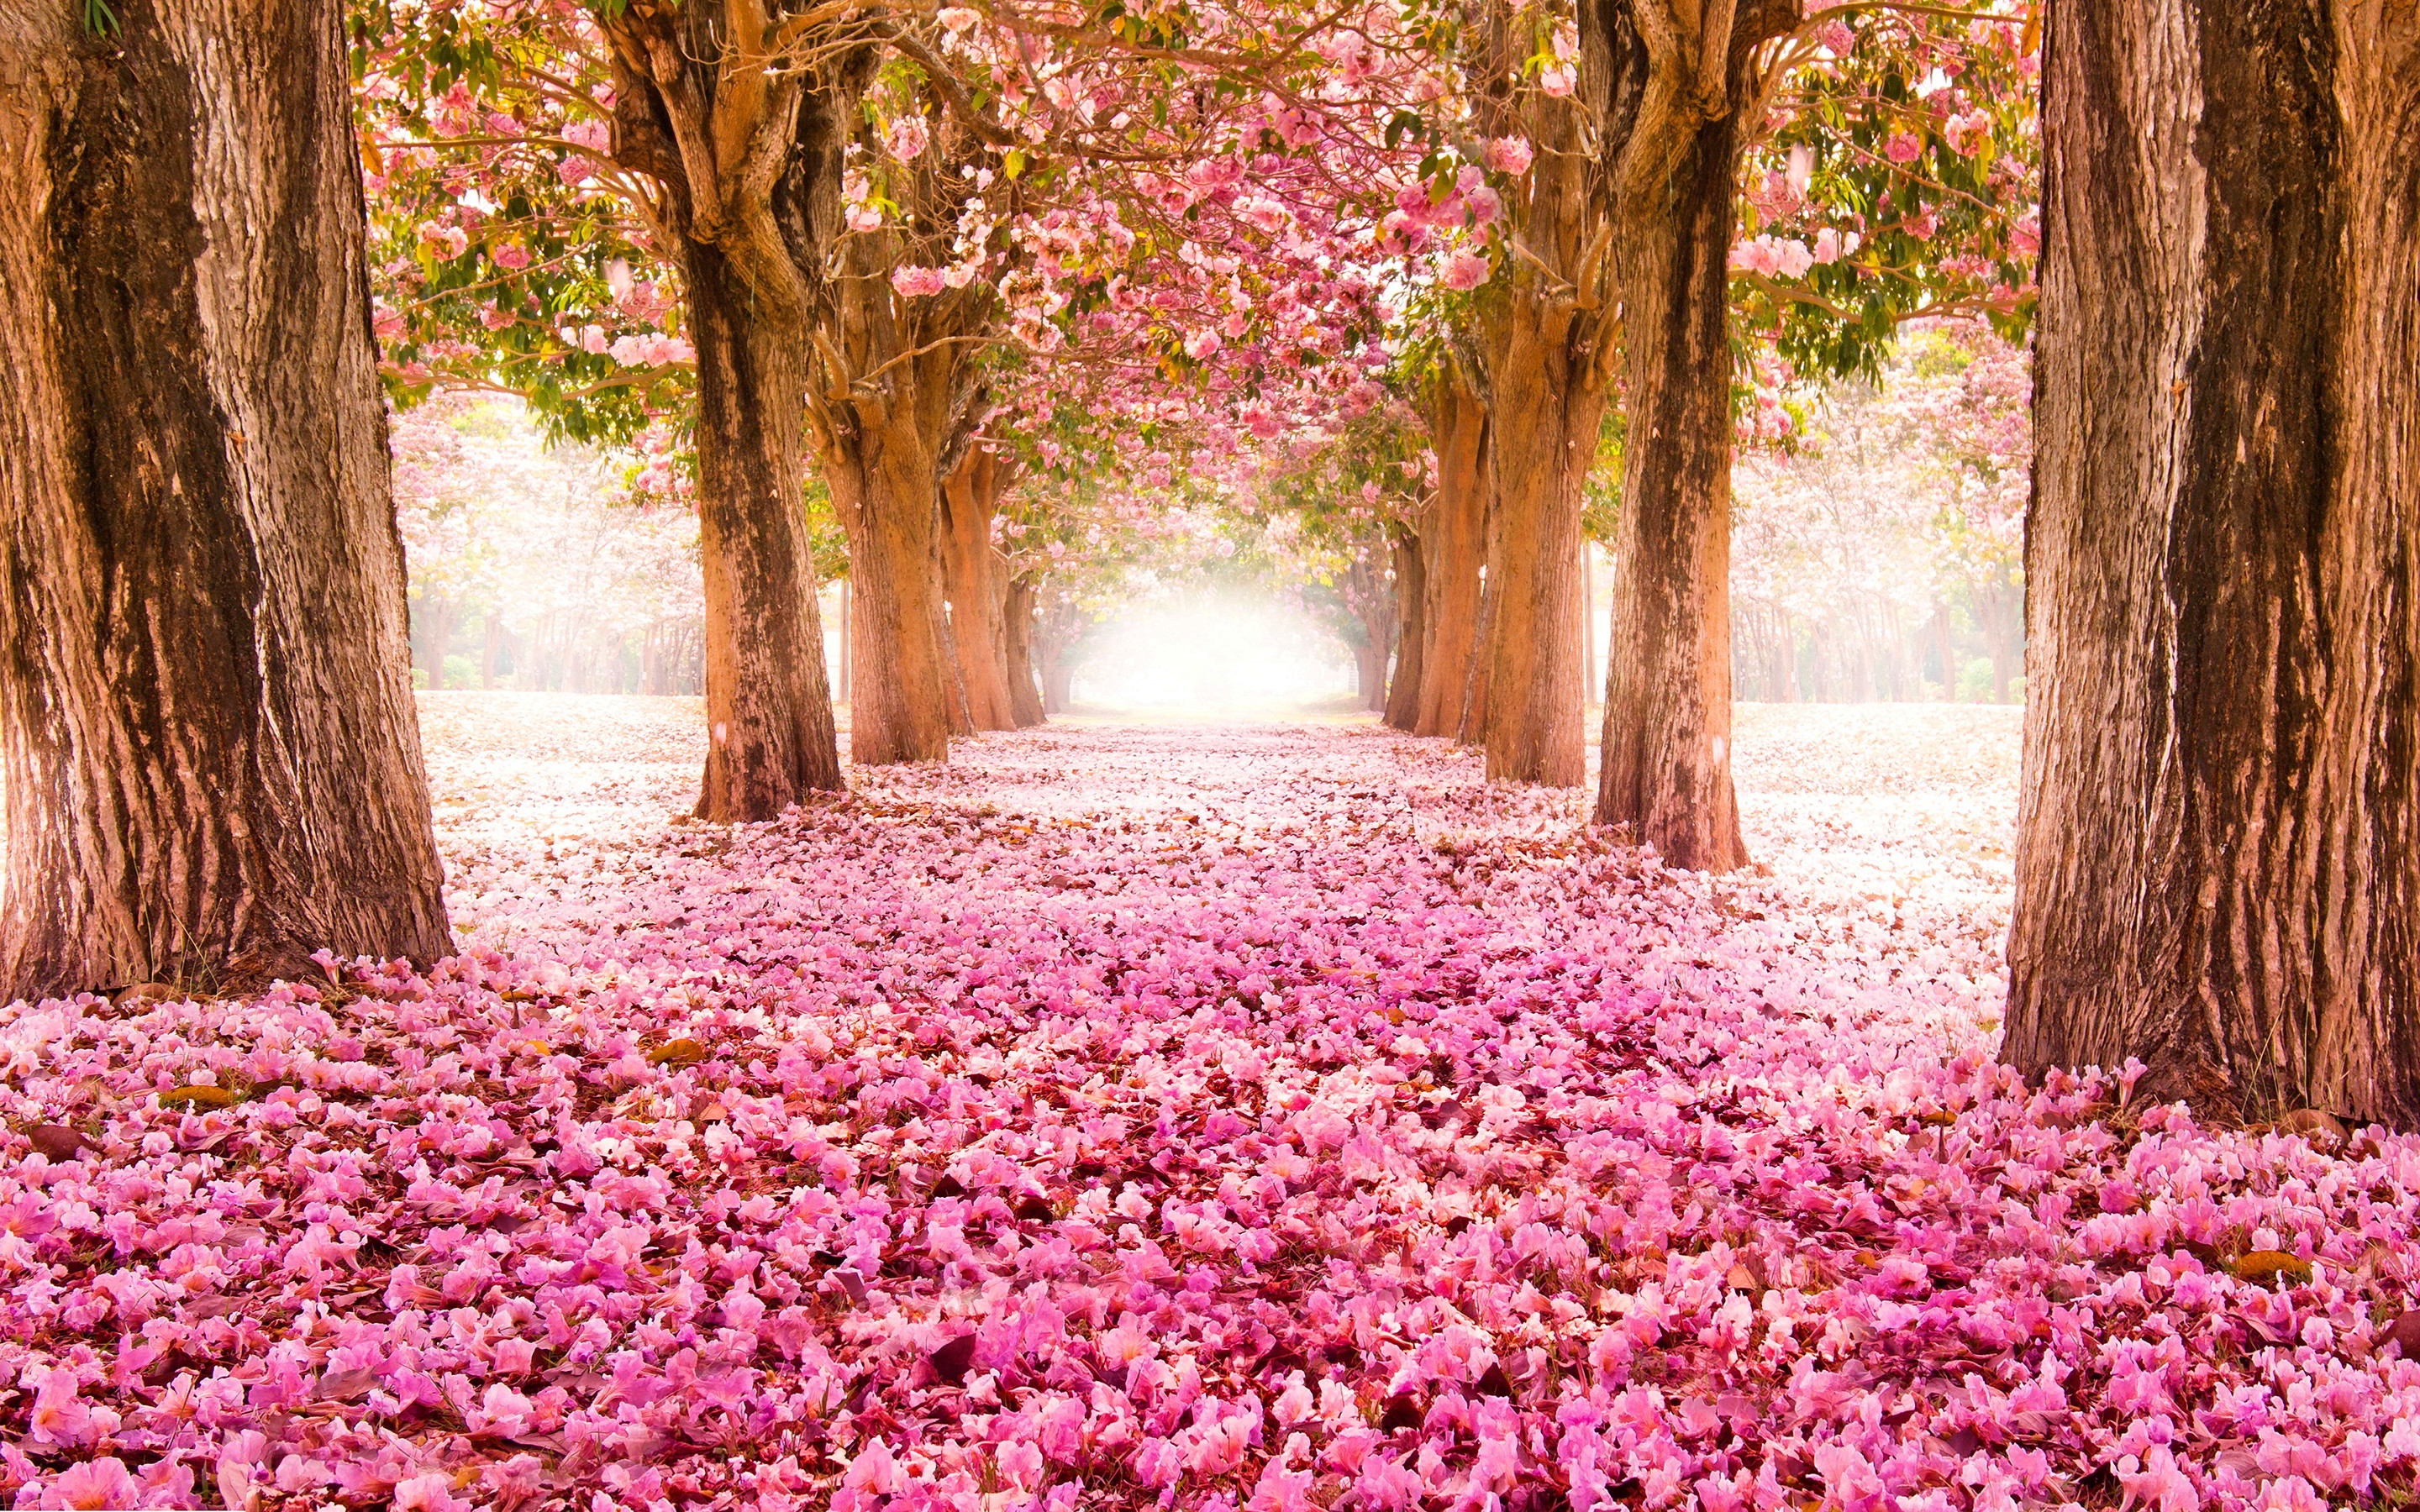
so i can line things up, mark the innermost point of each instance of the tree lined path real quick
(1452, 1112)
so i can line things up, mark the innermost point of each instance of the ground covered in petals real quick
(1262, 1118)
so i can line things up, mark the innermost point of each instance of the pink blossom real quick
(1903, 147)
(95, 1483)
(916, 282)
(1509, 154)
(1464, 269)
(908, 137)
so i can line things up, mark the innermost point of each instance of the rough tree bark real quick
(1455, 548)
(210, 763)
(2218, 861)
(768, 709)
(1017, 620)
(1672, 144)
(1411, 627)
(878, 474)
(1542, 432)
(970, 500)
(1538, 334)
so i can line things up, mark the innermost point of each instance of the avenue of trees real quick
(1459, 274)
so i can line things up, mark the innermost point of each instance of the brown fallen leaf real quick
(950, 1362)
(1494, 1383)
(199, 1096)
(2401, 1335)
(1740, 1279)
(2317, 1127)
(59, 1142)
(2264, 1267)
(150, 991)
(1401, 1413)
(1034, 1208)
(678, 1053)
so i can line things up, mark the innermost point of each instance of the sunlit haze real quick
(1212, 654)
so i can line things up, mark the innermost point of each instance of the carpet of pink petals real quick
(1261, 1117)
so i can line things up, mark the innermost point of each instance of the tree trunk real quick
(2218, 855)
(434, 627)
(767, 704)
(1945, 648)
(1016, 643)
(2001, 607)
(1454, 546)
(1666, 772)
(210, 763)
(847, 657)
(1470, 725)
(1542, 422)
(884, 488)
(1411, 629)
(491, 641)
(970, 500)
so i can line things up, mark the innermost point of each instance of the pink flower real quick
(1906, 147)
(1463, 270)
(96, 1483)
(59, 1415)
(431, 1492)
(956, 19)
(873, 1469)
(509, 254)
(916, 282)
(1022, 1464)
(1202, 344)
(908, 137)
(1510, 154)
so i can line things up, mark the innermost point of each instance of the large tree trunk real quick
(1542, 430)
(767, 704)
(1454, 548)
(1666, 770)
(888, 496)
(2218, 860)
(970, 500)
(1411, 629)
(1016, 640)
(210, 763)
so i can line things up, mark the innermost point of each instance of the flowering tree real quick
(1680, 114)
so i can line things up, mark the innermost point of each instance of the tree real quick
(207, 745)
(1454, 541)
(2219, 845)
(978, 588)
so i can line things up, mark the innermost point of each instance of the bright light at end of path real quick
(1222, 654)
